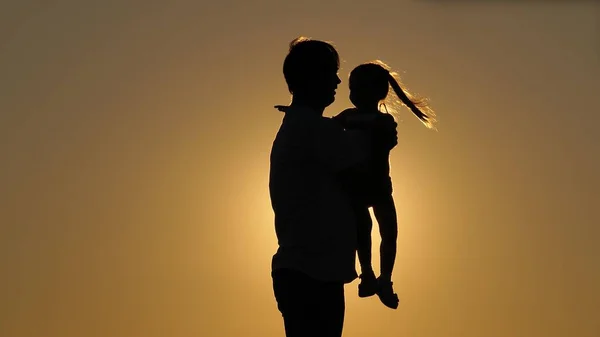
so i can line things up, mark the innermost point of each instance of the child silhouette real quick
(369, 88)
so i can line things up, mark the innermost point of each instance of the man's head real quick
(310, 70)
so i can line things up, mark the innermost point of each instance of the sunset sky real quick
(135, 139)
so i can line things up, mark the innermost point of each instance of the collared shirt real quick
(314, 221)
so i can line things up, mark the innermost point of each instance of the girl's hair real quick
(371, 81)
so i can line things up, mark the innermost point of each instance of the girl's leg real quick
(365, 226)
(368, 282)
(385, 213)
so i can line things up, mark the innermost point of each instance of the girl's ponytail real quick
(419, 107)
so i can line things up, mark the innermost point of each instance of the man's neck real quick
(306, 103)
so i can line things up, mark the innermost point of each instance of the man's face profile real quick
(324, 83)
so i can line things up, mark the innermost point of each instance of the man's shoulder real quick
(345, 114)
(329, 125)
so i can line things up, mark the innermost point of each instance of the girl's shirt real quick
(380, 127)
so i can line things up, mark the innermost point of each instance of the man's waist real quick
(330, 265)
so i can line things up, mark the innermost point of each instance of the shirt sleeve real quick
(339, 149)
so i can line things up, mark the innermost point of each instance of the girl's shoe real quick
(368, 285)
(386, 294)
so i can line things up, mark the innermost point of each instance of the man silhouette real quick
(313, 160)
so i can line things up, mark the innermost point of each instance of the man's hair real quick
(307, 58)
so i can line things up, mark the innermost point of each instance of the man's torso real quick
(314, 222)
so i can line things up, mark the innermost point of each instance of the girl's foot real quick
(386, 294)
(368, 285)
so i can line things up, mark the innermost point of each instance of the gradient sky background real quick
(135, 136)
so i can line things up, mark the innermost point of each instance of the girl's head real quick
(369, 87)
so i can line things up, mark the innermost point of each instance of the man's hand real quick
(389, 131)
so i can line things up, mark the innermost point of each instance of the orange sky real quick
(135, 139)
